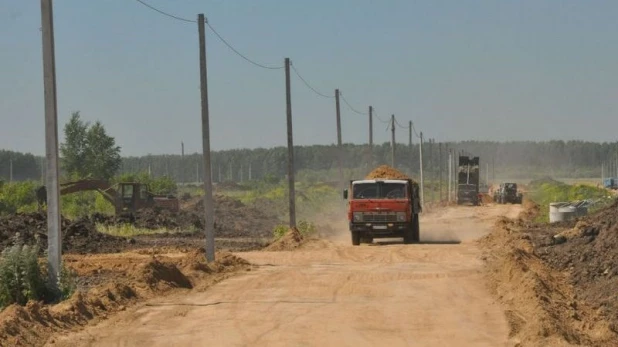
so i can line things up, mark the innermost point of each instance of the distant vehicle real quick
(126, 197)
(610, 183)
(380, 208)
(468, 181)
(507, 193)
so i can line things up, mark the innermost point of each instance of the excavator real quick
(126, 197)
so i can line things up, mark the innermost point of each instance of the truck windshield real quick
(379, 190)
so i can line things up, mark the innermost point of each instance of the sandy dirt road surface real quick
(330, 293)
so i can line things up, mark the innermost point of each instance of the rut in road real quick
(331, 293)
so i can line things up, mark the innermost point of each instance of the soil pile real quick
(235, 219)
(386, 172)
(290, 241)
(129, 278)
(78, 236)
(589, 252)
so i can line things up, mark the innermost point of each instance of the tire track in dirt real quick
(391, 294)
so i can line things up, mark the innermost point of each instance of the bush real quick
(22, 278)
(18, 197)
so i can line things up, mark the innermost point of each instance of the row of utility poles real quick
(51, 142)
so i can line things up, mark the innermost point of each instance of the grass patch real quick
(130, 230)
(546, 191)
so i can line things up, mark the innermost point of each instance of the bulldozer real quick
(126, 197)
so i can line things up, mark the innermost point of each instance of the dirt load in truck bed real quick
(386, 172)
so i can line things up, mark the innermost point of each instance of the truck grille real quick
(372, 217)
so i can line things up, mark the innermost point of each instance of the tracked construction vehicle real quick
(507, 193)
(126, 197)
(468, 177)
(383, 208)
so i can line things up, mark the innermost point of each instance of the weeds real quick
(23, 278)
(130, 230)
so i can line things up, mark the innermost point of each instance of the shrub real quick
(22, 278)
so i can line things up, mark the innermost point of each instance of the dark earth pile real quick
(78, 236)
(233, 220)
(588, 251)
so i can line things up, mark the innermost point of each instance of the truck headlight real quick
(401, 216)
(358, 216)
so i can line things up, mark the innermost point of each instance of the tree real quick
(88, 152)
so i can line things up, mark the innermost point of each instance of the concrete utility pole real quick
(242, 174)
(602, 172)
(440, 164)
(209, 207)
(370, 137)
(10, 170)
(420, 150)
(250, 173)
(339, 144)
(450, 174)
(54, 233)
(410, 134)
(487, 174)
(182, 162)
(393, 141)
(288, 102)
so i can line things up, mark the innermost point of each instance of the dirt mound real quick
(235, 219)
(290, 241)
(127, 279)
(542, 306)
(386, 172)
(589, 252)
(78, 236)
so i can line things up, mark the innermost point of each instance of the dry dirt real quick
(327, 292)
(111, 283)
(554, 295)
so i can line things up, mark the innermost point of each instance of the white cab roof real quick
(385, 181)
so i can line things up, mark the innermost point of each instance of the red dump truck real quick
(383, 208)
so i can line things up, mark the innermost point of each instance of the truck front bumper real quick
(378, 230)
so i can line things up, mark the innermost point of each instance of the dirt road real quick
(330, 293)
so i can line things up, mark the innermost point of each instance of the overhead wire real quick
(350, 106)
(215, 32)
(165, 13)
(240, 54)
(375, 113)
(309, 85)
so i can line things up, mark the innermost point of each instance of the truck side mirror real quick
(345, 194)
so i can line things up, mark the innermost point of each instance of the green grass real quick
(546, 191)
(129, 230)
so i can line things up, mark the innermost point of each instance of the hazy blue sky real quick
(500, 70)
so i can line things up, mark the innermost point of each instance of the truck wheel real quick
(356, 238)
(416, 230)
(367, 239)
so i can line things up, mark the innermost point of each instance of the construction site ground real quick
(482, 276)
(328, 292)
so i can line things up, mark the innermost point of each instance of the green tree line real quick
(525, 159)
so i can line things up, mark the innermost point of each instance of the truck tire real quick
(416, 230)
(356, 238)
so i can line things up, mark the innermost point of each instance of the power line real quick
(240, 54)
(375, 113)
(166, 14)
(401, 126)
(308, 85)
(414, 129)
(350, 106)
(215, 32)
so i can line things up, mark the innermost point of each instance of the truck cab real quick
(383, 208)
